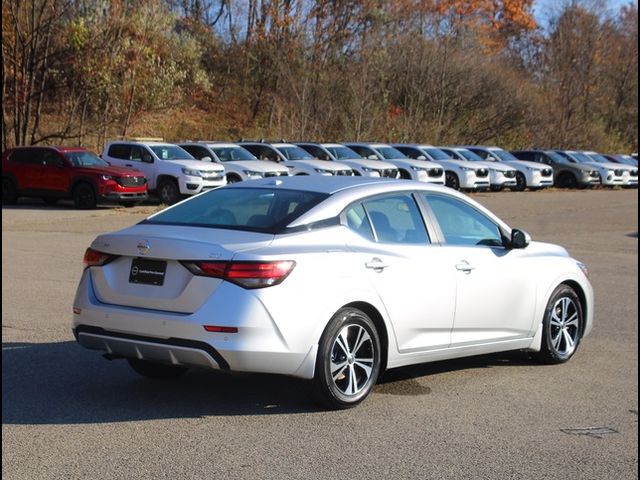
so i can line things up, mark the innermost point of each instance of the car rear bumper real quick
(181, 339)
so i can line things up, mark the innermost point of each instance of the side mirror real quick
(519, 239)
(421, 157)
(372, 157)
(206, 159)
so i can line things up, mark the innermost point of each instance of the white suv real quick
(239, 163)
(500, 176)
(459, 174)
(171, 172)
(529, 174)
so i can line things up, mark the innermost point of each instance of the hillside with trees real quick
(449, 71)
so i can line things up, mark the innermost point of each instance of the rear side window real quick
(120, 151)
(27, 156)
(396, 219)
(253, 209)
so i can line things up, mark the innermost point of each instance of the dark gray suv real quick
(565, 173)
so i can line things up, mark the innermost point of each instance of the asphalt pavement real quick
(68, 413)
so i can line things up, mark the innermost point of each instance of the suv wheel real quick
(567, 180)
(521, 183)
(168, 191)
(9, 192)
(452, 181)
(84, 197)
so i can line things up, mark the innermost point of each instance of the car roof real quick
(59, 148)
(319, 184)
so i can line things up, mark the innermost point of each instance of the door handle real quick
(376, 264)
(464, 266)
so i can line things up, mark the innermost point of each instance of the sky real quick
(544, 10)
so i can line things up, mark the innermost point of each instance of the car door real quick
(27, 165)
(495, 297)
(55, 172)
(417, 289)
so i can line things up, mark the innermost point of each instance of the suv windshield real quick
(343, 153)
(596, 157)
(580, 157)
(469, 155)
(254, 209)
(557, 158)
(390, 153)
(294, 152)
(503, 155)
(171, 152)
(85, 159)
(231, 154)
(436, 153)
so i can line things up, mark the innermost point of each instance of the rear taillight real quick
(245, 274)
(94, 258)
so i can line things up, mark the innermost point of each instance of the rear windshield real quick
(265, 210)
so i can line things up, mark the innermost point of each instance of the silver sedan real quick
(331, 279)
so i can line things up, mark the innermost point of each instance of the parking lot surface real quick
(69, 413)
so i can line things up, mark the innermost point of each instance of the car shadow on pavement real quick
(63, 383)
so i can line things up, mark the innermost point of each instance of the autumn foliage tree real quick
(440, 71)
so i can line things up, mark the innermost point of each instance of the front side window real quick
(52, 159)
(396, 219)
(461, 224)
(197, 152)
(253, 209)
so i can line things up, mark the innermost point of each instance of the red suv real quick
(55, 173)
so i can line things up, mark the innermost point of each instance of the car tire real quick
(129, 204)
(496, 188)
(562, 326)
(233, 179)
(156, 370)
(168, 191)
(521, 182)
(84, 196)
(567, 180)
(348, 361)
(9, 192)
(452, 180)
(50, 200)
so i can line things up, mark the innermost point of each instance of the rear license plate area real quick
(147, 272)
